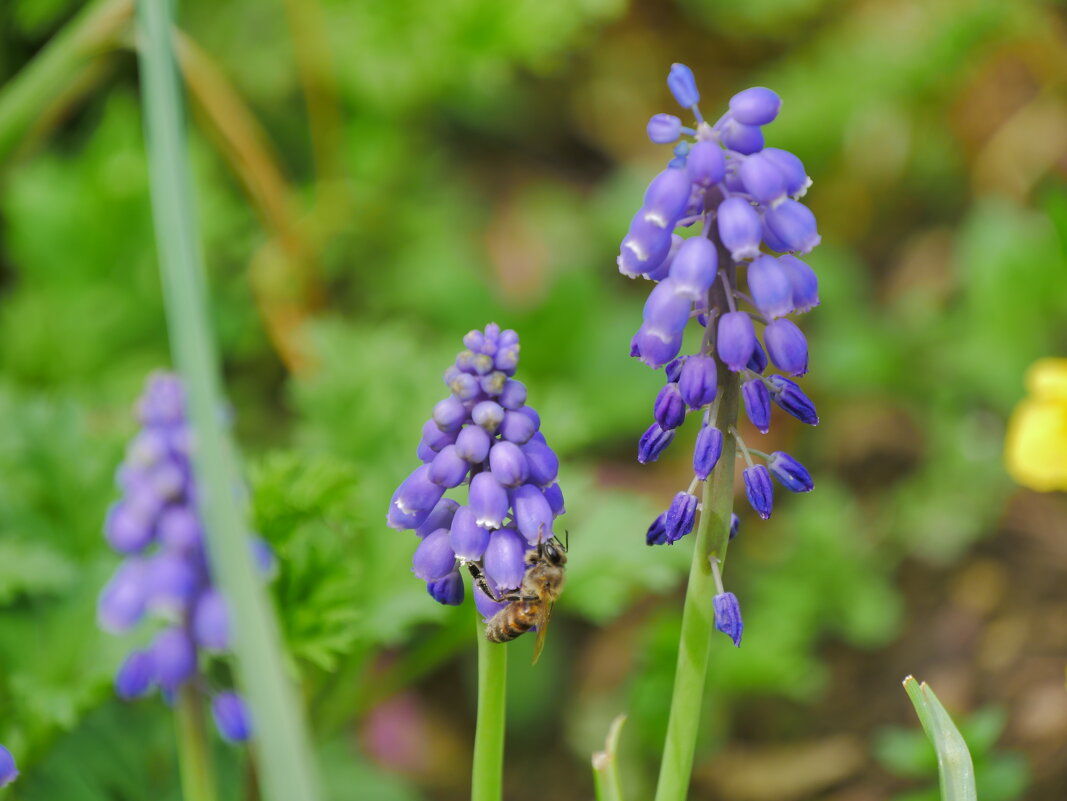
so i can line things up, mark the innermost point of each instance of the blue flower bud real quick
(173, 581)
(134, 679)
(518, 427)
(508, 464)
(163, 400)
(447, 590)
(489, 501)
(449, 413)
(664, 128)
(744, 139)
(395, 518)
(694, 268)
(674, 369)
(794, 224)
(485, 605)
(644, 247)
(418, 493)
(474, 340)
(736, 340)
(491, 384)
(507, 359)
(466, 538)
(231, 717)
(434, 557)
(762, 179)
(465, 386)
(735, 526)
(786, 346)
(757, 403)
(664, 268)
(728, 616)
(543, 463)
(770, 287)
(804, 282)
(533, 515)
(758, 362)
(126, 530)
(488, 414)
(796, 177)
(666, 311)
(707, 451)
(174, 657)
(554, 496)
(424, 452)
(472, 444)
(531, 412)
(513, 395)
(759, 490)
(666, 198)
(791, 399)
(683, 85)
(211, 621)
(698, 381)
(448, 468)
(755, 106)
(8, 771)
(435, 437)
(653, 442)
(669, 408)
(657, 532)
(179, 529)
(681, 515)
(505, 559)
(706, 164)
(263, 557)
(790, 473)
(122, 601)
(769, 239)
(654, 348)
(739, 228)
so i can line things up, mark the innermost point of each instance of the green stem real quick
(285, 764)
(487, 771)
(194, 755)
(606, 765)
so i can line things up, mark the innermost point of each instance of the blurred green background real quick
(374, 179)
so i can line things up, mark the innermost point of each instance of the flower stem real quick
(194, 755)
(487, 772)
(285, 763)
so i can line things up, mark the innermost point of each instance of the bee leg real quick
(483, 585)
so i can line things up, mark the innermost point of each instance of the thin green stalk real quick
(488, 768)
(285, 765)
(606, 765)
(954, 765)
(194, 755)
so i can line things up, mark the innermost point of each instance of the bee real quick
(531, 604)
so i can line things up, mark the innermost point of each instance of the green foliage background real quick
(450, 163)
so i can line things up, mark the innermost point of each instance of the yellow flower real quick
(1035, 449)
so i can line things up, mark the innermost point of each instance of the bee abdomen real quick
(512, 621)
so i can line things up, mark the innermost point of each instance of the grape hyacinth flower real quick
(156, 528)
(8, 771)
(485, 436)
(740, 279)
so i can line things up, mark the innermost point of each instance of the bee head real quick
(553, 554)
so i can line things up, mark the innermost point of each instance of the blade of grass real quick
(285, 765)
(606, 765)
(954, 763)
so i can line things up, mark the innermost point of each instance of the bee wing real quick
(542, 629)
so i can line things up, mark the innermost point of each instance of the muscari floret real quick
(485, 436)
(746, 198)
(8, 771)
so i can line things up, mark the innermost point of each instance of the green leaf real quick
(953, 758)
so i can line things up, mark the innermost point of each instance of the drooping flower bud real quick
(657, 532)
(739, 228)
(133, 680)
(211, 621)
(759, 490)
(472, 444)
(793, 224)
(787, 346)
(508, 464)
(447, 590)
(698, 381)
(231, 717)
(790, 473)
(644, 247)
(8, 771)
(736, 340)
(728, 616)
(693, 269)
(745, 139)
(440, 517)
(533, 515)
(683, 85)
(770, 287)
(796, 178)
(434, 557)
(449, 413)
(735, 526)
(653, 442)
(448, 469)
(505, 559)
(666, 198)
(757, 403)
(758, 362)
(489, 501)
(756, 106)
(543, 463)
(706, 164)
(763, 180)
(466, 538)
(664, 128)
(706, 452)
(520, 426)
(487, 414)
(653, 348)
(681, 515)
(554, 496)
(174, 657)
(803, 280)
(669, 408)
(513, 395)
(122, 601)
(666, 310)
(791, 399)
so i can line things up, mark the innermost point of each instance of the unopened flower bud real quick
(755, 106)
(796, 178)
(664, 128)
(694, 268)
(448, 468)
(728, 616)
(508, 464)
(706, 451)
(683, 85)
(231, 717)
(505, 559)
(762, 180)
(669, 408)
(794, 224)
(791, 399)
(698, 381)
(447, 590)
(770, 287)
(745, 139)
(489, 500)
(787, 346)
(757, 403)
(739, 228)
(653, 442)
(736, 340)
(759, 490)
(681, 515)
(790, 473)
(657, 532)
(804, 282)
(706, 164)
(134, 679)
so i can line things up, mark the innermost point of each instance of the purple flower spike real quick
(759, 490)
(518, 427)
(706, 452)
(669, 408)
(533, 515)
(466, 538)
(745, 139)
(505, 559)
(434, 557)
(655, 349)
(770, 287)
(757, 403)
(418, 493)
(739, 228)
(758, 362)
(667, 309)
(542, 462)
(231, 717)
(664, 129)
(698, 381)
(763, 180)
(174, 656)
(735, 526)
(737, 340)
(448, 469)
(787, 346)
(706, 164)
(488, 414)
(8, 771)
(791, 399)
(680, 516)
(472, 444)
(804, 283)
(693, 269)
(790, 473)
(755, 106)
(508, 464)
(728, 616)
(657, 532)
(211, 622)
(683, 85)
(489, 501)
(554, 496)
(449, 413)
(666, 198)
(653, 442)
(135, 678)
(796, 178)
(793, 224)
(448, 590)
